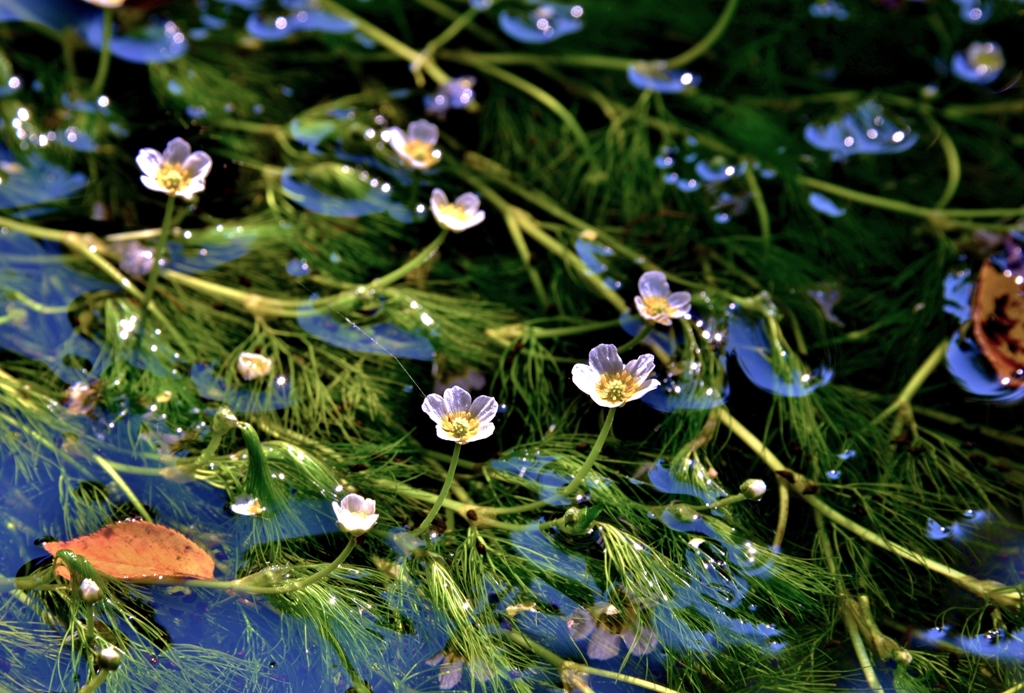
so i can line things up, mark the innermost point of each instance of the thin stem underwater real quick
(581, 474)
(154, 272)
(103, 69)
(443, 496)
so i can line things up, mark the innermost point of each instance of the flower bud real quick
(252, 366)
(90, 591)
(109, 658)
(753, 489)
(355, 514)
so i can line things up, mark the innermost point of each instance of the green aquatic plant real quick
(796, 244)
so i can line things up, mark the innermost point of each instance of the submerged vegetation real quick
(268, 266)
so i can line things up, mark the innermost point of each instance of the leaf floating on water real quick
(135, 550)
(998, 318)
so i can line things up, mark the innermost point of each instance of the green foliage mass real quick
(883, 555)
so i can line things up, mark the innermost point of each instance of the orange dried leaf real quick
(998, 317)
(137, 550)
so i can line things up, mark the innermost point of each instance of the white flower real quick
(655, 303)
(136, 259)
(464, 213)
(610, 383)
(606, 628)
(246, 505)
(753, 488)
(251, 366)
(356, 515)
(178, 171)
(90, 591)
(106, 4)
(80, 398)
(418, 145)
(460, 418)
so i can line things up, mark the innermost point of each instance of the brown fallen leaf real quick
(138, 550)
(998, 317)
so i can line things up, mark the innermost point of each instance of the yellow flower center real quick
(173, 177)
(451, 210)
(421, 151)
(461, 425)
(617, 387)
(656, 305)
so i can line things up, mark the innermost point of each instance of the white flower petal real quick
(486, 430)
(585, 378)
(397, 140)
(603, 645)
(198, 165)
(640, 644)
(353, 503)
(603, 402)
(194, 187)
(469, 201)
(149, 161)
(648, 385)
(438, 198)
(641, 366)
(176, 151)
(604, 358)
(457, 400)
(459, 225)
(434, 407)
(423, 130)
(653, 284)
(153, 184)
(679, 302)
(581, 624)
(484, 408)
(445, 435)
(449, 675)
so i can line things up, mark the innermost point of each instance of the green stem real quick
(780, 526)
(123, 485)
(258, 304)
(640, 336)
(763, 219)
(845, 605)
(1002, 595)
(572, 330)
(291, 586)
(560, 664)
(723, 502)
(443, 496)
(95, 682)
(103, 69)
(441, 40)
(918, 379)
(90, 625)
(953, 168)
(165, 233)
(905, 207)
(389, 42)
(515, 232)
(573, 486)
(701, 47)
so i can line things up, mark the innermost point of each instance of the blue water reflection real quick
(373, 201)
(41, 274)
(748, 341)
(867, 130)
(242, 400)
(380, 339)
(547, 22)
(972, 372)
(35, 182)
